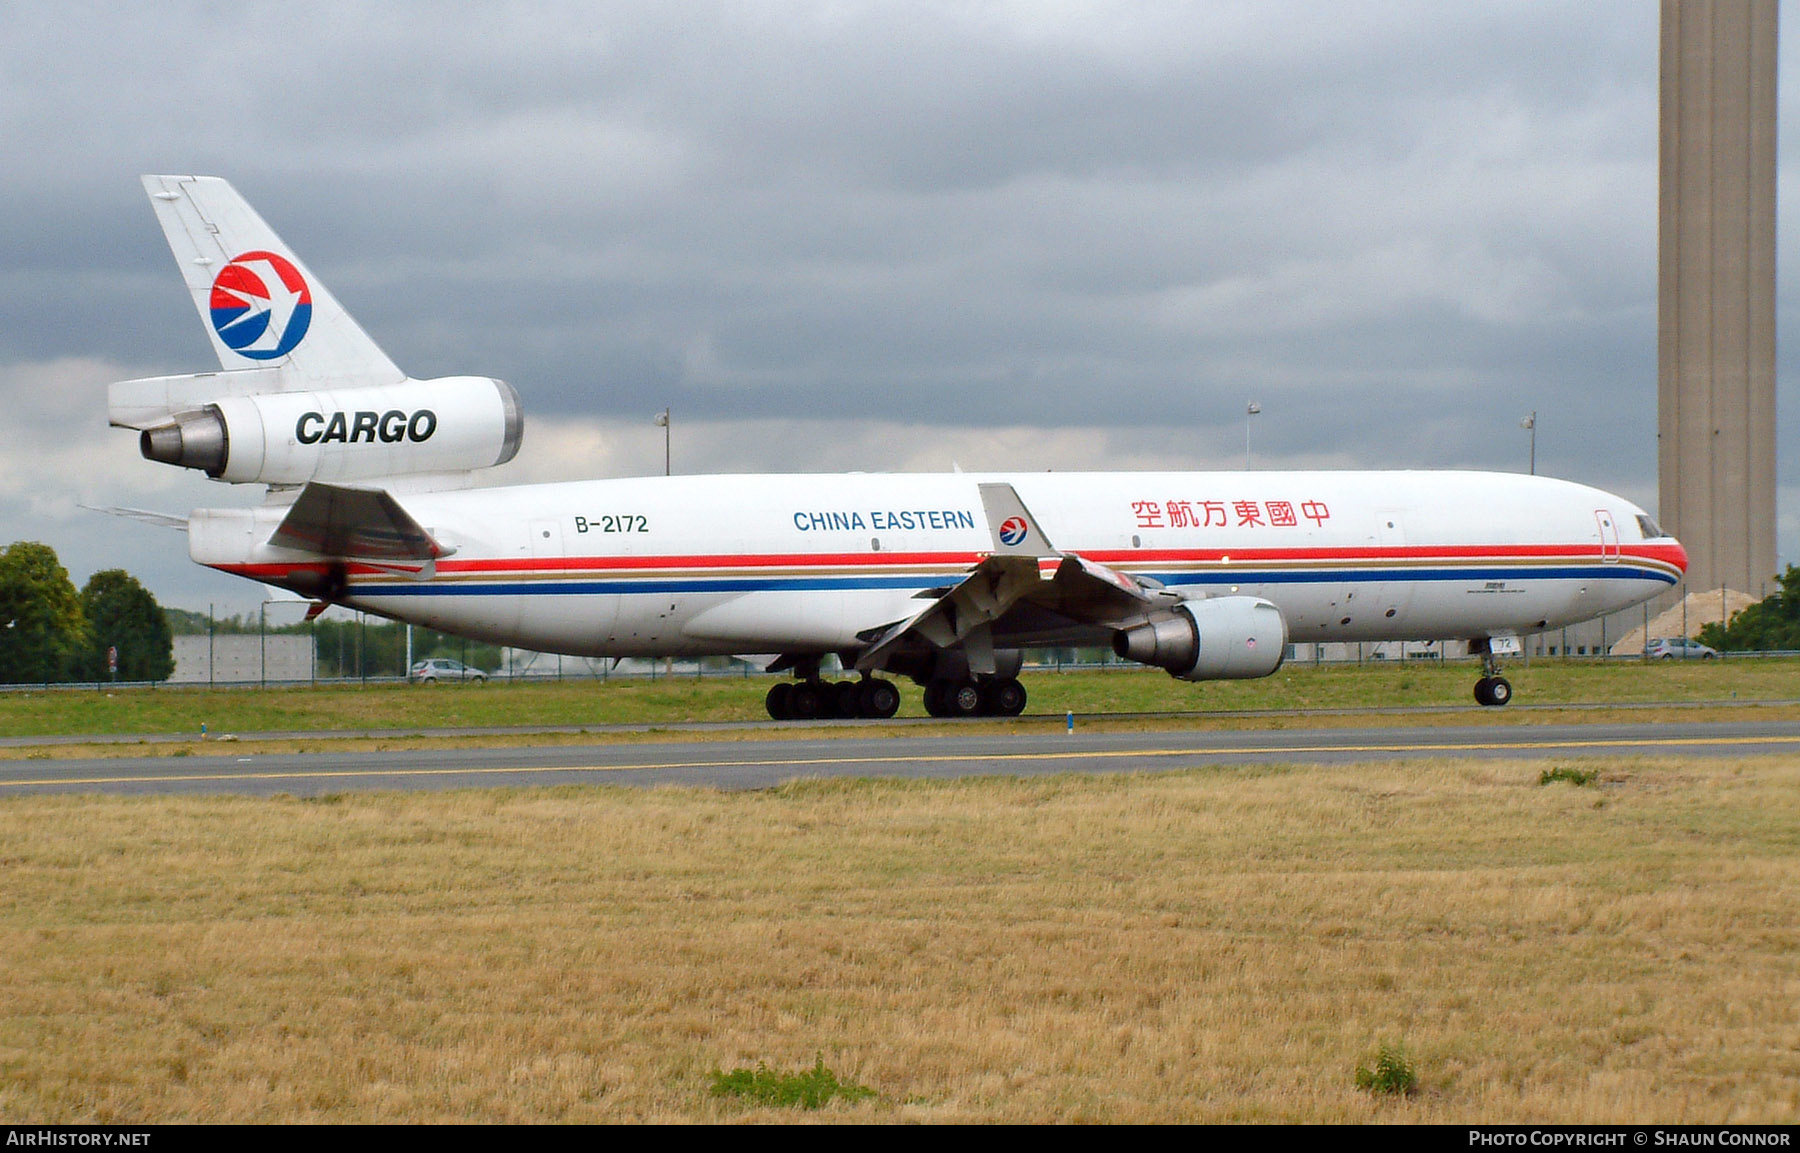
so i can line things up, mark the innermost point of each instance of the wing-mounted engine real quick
(1217, 639)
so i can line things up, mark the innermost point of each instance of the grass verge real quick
(668, 701)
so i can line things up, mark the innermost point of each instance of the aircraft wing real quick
(358, 524)
(1023, 570)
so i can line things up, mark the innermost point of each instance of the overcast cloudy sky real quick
(868, 236)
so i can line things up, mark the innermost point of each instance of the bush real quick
(1391, 1076)
(1576, 777)
(808, 1090)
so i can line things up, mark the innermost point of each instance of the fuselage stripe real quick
(387, 586)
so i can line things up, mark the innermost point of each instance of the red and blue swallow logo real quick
(1013, 531)
(261, 305)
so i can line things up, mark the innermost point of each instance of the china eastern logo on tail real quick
(261, 305)
(1012, 532)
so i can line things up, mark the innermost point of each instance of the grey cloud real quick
(1401, 226)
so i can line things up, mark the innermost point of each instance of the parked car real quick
(1679, 648)
(437, 669)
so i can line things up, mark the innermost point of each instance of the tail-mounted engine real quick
(1223, 638)
(343, 434)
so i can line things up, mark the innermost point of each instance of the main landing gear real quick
(1492, 689)
(983, 696)
(876, 699)
(813, 700)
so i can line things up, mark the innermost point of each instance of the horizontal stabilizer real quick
(356, 524)
(143, 515)
(155, 400)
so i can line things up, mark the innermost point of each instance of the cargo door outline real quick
(1609, 536)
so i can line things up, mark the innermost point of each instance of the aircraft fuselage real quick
(689, 566)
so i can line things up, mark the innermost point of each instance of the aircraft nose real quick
(1680, 555)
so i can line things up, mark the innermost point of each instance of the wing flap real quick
(962, 615)
(1023, 569)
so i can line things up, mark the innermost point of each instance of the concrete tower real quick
(1716, 289)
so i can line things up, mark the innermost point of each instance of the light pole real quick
(1250, 410)
(1530, 425)
(662, 421)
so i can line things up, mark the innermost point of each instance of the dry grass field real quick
(1222, 945)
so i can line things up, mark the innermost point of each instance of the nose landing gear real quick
(1492, 689)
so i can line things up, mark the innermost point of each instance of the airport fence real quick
(602, 671)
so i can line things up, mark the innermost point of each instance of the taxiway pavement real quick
(763, 760)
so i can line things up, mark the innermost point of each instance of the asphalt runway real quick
(759, 761)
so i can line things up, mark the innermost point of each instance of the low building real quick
(242, 658)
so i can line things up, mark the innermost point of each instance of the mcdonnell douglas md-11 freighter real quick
(946, 580)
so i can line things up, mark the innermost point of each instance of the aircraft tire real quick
(934, 698)
(845, 698)
(1493, 691)
(777, 701)
(1004, 697)
(877, 699)
(963, 699)
(806, 702)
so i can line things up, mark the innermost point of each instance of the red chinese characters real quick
(1270, 514)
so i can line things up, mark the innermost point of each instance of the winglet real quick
(1015, 530)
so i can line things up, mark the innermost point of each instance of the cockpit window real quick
(1649, 528)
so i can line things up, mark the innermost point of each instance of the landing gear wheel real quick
(877, 699)
(934, 698)
(846, 698)
(1003, 698)
(1493, 691)
(806, 702)
(777, 701)
(963, 699)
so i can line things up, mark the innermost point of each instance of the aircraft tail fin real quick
(260, 305)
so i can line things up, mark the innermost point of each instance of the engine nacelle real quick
(344, 434)
(1219, 639)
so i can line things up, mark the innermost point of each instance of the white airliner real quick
(943, 579)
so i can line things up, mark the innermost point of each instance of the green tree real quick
(42, 628)
(122, 614)
(1769, 624)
